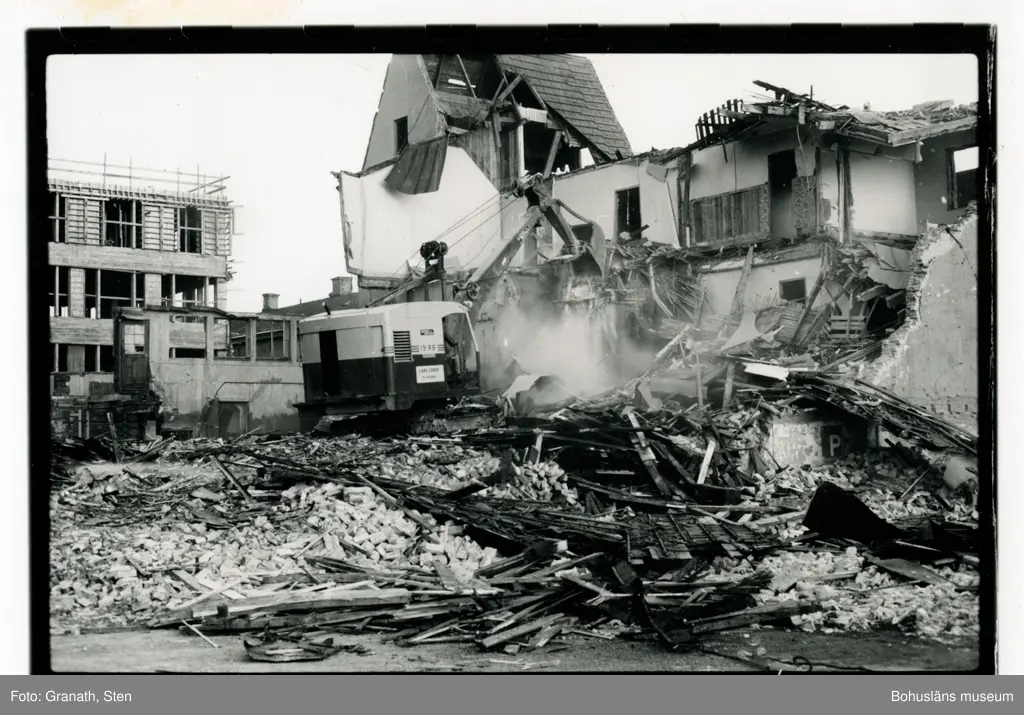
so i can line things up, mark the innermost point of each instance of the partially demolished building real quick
(787, 220)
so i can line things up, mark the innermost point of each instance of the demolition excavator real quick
(414, 359)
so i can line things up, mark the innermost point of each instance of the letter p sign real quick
(832, 441)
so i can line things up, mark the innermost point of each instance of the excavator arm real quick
(484, 280)
(542, 206)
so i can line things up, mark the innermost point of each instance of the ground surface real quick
(169, 651)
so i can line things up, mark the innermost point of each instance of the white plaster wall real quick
(762, 286)
(387, 228)
(592, 194)
(884, 196)
(406, 93)
(746, 167)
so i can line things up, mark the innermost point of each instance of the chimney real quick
(341, 285)
(270, 301)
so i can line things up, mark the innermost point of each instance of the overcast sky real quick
(279, 124)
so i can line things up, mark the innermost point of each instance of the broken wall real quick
(830, 193)
(591, 193)
(721, 279)
(406, 93)
(385, 229)
(932, 178)
(742, 165)
(932, 360)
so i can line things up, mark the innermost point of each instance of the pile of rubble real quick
(508, 538)
(656, 510)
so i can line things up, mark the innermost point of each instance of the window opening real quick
(273, 340)
(58, 217)
(627, 211)
(231, 339)
(190, 230)
(401, 134)
(793, 290)
(122, 223)
(963, 177)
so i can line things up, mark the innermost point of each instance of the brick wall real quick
(932, 360)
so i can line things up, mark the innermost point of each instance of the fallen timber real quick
(593, 516)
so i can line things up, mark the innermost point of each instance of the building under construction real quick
(124, 237)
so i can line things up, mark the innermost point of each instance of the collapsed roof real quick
(736, 119)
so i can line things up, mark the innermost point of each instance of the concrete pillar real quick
(152, 286)
(76, 292)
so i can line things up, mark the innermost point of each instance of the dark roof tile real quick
(570, 86)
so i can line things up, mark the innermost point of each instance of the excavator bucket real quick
(584, 264)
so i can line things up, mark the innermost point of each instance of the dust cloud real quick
(586, 353)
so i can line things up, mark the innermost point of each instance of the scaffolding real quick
(138, 178)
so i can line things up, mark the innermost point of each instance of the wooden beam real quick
(683, 193)
(465, 74)
(501, 86)
(736, 312)
(507, 91)
(730, 378)
(702, 476)
(552, 152)
(810, 303)
(437, 74)
(873, 293)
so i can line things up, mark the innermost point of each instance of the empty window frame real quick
(186, 291)
(231, 339)
(187, 336)
(58, 218)
(59, 294)
(190, 230)
(106, 358)
(122, 223)
(79, 358)
(273, 340)
(116, 288)
(793, 290)
(627, 211)
(83, 358)
(401, 134)
(963, 173)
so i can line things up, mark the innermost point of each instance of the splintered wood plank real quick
(334, 598)
(639, 440)
(513, 633)
(706, 464)
(189, 580)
